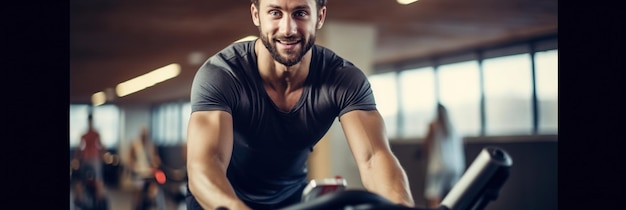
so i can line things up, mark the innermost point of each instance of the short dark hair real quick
(320, 3)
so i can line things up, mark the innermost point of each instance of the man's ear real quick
(321, 17)
(255, 14)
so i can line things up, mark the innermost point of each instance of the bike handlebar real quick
(356, 199)
(478, 186)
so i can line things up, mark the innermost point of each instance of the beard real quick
(287, 61)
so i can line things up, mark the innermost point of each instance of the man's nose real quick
(288, 26)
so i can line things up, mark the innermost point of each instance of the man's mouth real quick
(288, 42)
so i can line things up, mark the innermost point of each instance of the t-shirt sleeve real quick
(213, 88)
(354, 91)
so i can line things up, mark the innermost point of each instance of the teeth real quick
(288, 42)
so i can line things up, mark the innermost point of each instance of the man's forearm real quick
(212, 189)
(384, 176)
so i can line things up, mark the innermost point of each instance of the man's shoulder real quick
(325, 53)
(235, 51)
(331, 60)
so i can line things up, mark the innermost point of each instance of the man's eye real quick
(274, 13)
(301, 14)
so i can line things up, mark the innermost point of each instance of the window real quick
(186, 112)
(166, 124)
(459, 86)
(508, 92)
(385, 91)
(106, 120)
(417, 101)
(494, 98)
(78, 123)
(169, 123)
(546, 71)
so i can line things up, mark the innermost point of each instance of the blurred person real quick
(144, 160)
(259, 107)
(90, 153)
(445, 154)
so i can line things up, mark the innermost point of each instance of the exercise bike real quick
(85, 177)
(175, 187)
(479, 185)
(152, 195)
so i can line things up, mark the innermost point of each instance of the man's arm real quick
(209, 148)
(380, 171)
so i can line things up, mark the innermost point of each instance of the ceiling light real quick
(102, 97)
(147, 80)
(405, 2)
(98, 98)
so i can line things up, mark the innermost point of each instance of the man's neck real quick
(277, 76)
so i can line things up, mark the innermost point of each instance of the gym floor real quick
(120, 198)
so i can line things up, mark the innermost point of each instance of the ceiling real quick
(112, 41)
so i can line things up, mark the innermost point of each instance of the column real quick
(331, 156)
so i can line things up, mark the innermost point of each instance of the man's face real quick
(287, 28)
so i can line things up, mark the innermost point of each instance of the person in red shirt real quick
(90, 152)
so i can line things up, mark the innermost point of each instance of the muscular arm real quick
(209, 148)
(380, 171)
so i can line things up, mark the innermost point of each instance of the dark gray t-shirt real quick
(271, 147)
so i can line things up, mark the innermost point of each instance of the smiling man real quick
(259, 107)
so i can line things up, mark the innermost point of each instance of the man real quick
(259, 107)
(90, 153)
(144, 160)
